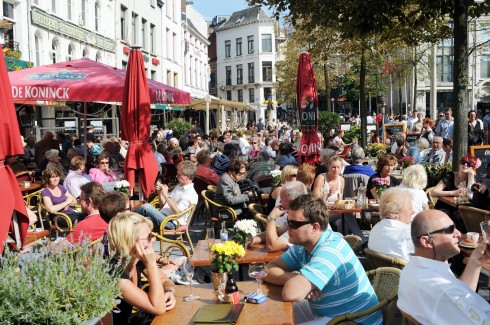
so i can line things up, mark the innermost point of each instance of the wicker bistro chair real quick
(382, 260)
(171, 249)
(472, 217)
(200, 185)
(92, 245)
(33, 202)
(407, 319)
(217, 213)
(180, 231)
(385, 282)
(354, 242)
(432, 200)
(212, 188)
(54, 218)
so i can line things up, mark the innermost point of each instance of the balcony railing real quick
(11, 45)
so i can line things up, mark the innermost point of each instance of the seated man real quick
(261, 167)
(357, 167)
(429, 291)
(76, 176)
(391, 236)
(93, 226)
(182, 197)
(320, 267)
(276, 234)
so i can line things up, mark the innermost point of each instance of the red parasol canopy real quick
(135, 125)
(310, 146)
(84, 80)
(10, 145)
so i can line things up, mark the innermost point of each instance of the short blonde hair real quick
(392, 202)
(415, 177)
(122, 233)
(287, 171)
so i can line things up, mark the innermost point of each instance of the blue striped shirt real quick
(334, 269)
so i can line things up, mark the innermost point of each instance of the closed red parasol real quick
(310, 146)
(135, 125)
(10, 145)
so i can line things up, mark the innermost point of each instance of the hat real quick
(51, 153)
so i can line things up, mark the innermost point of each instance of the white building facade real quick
(246, 60)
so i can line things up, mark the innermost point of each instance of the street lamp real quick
(333, 104)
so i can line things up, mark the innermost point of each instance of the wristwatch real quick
(269, 219)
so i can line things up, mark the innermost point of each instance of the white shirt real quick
(370, 119)
(391, 237)
(74, 180)
(419, 199)
(431, 294)
(184, 196)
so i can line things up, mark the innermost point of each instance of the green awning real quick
(14, 65)
(165, 107)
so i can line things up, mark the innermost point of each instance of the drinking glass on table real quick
(210, 237)
(257, 270)
(189, 274)
(485, 230)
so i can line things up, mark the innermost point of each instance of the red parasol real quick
(10, 145)
(310, 146)
(135, 125)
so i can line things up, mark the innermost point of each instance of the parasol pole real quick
(85, 150)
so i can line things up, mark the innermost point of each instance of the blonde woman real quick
(414, 180)
(288, 174)
(131, 242)
(330, 185)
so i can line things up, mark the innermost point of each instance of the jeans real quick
(149, 211)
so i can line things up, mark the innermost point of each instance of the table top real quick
(31, 237)
(272, 311)
(32, 186)
(450, 200)
(255, 253)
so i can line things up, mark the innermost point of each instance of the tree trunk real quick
(415, 82)
(362, 95)
(327, 86)
(460, 81)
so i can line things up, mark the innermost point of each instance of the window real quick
(239, 74)
(97, 16)
(68, 9)
(267, 71)
(266, 42)
(167, 39)
(176, 79)
(123, 22)
(251, 73)
(8, 10)
(169, 77)
(85, 53)
(240, 95)
(251, 95)
(228, 75)
(485, 66)
(445, 59)
(83, 14)
(227, 49)
(153, 75)
(267, 93)
(152, 38)
(54, 51)
(134, 37)
(143, 33)
(98, 57)
(69, 56)
(37, 47)
(228, 95)
(124, 65)
(174, 46)
(250, 40)
(239, 46)
(53, 6)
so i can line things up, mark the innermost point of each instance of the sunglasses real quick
(241, 173)
(466, 163)
(150, 237)
(293, 175)
(446, 230)
(293, 224)
(104, 163)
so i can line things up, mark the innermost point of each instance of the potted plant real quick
(122, 186)
(5, 25)
(57, 288)
(245, 230)
(224, 260)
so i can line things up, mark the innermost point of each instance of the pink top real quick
(101, 177)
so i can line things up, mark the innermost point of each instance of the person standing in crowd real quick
(445, 127)
(475, 129)
(486, 125)
(48, 142)
(29, 151)
(428, 290)
(447, 146)
(391, 236)
(309, 270)
(418, 123)
(260, 125)
(76, 176)
(181, 197)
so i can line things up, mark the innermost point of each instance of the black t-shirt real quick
(393, 183)
(448, 180)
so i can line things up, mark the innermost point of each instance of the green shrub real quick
(435, 173)
(179, 127)
(328, 121)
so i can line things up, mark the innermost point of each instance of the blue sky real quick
(211, 8)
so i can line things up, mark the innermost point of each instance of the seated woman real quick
(255, 148)
(391, 236)
(414, 180)
(103, 174)
(285, 157)
(419, 150)
(330, 187)
(374, 137)
(456, 184)
(385, 167)
(131, 244)
(56, 197)
(288, 174)
(228, 191)
(338, 142)
(402, 148)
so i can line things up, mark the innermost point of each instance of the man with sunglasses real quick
(428, 290)
(320, 273)
(445, 127)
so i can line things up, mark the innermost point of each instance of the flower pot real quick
(219, 278)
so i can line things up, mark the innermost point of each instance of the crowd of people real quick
(318, 270)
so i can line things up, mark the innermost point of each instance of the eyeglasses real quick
(150, 237)
(441, 115)
(242, 173)
(293, 224)
(446, 230)
(103, 163)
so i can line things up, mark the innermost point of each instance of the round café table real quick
(33, 186)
